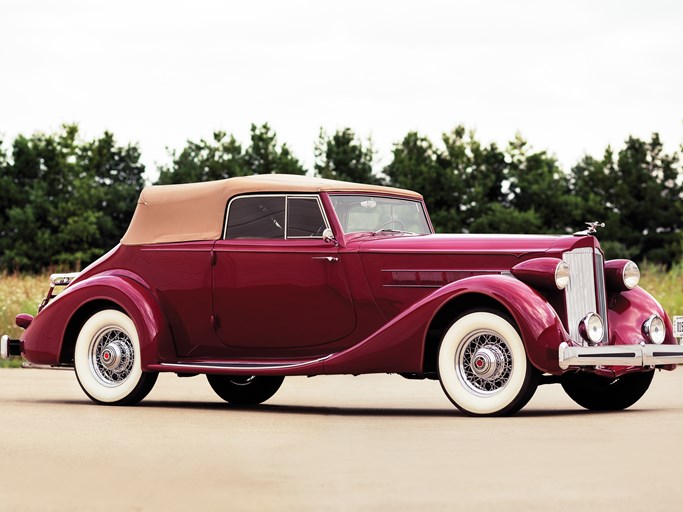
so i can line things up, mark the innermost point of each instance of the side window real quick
(256, 217)
(304, 218)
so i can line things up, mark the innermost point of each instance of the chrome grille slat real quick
(602, 294)
(580, 293)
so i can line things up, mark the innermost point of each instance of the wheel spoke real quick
(484, 362)
(111, 356)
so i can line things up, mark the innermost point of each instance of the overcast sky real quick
(570, 76)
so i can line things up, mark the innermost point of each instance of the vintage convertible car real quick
(251, 279)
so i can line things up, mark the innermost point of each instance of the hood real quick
(516, 245)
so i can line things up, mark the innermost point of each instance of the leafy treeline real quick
(64, 201)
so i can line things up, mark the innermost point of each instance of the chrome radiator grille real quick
(586, 278)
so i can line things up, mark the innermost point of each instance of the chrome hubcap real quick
(111, 356)
(484, 362)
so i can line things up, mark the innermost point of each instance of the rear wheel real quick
(483, 366)
(107, 360)
(603, 394)
(245, 390)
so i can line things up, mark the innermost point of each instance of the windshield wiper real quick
(392, 231)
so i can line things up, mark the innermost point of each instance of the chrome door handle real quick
(331, 259)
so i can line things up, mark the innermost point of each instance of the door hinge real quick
(214, 258)
(215, 322)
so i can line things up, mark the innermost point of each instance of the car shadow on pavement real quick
(346, 411)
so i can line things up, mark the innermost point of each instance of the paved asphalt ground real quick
(374, 442)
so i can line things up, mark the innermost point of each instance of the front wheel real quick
(245, 390)
(483, 367)
(597, 393)
(107, 360)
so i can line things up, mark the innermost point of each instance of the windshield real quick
(373, 213)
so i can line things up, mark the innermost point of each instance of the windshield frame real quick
(341, 221)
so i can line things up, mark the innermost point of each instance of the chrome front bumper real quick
(619, 355)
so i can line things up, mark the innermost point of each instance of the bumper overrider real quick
(619, 355)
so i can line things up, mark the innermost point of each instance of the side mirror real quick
(328, 236)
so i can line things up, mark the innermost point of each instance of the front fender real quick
(539, 325)
(399, 346)
(52, 328)
(628, 310)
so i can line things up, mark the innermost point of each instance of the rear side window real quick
(275, 217)
(256, 217)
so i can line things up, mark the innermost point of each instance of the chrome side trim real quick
(497, 271)
(620, 355)
(245, 366)
(31, 366)
(413, 285)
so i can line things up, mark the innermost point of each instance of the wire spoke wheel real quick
(484, 362)
(483, 367)
(107, 360)
(112, 356)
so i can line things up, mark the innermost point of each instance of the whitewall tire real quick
(107, 360)
(483, 367)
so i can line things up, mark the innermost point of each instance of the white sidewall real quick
(457, 391)
(90, 383)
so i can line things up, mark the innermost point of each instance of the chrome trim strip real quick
(286, 197)
(497, 271)
(414, 285)
(245, 366)
(620, 355)
(31, 366)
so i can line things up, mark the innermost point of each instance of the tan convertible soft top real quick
(195, 211)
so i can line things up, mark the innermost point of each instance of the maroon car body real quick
(252, 279)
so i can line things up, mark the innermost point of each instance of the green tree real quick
(638, 194)
(67, 200)
(206, 160)
(538, 186)
(418, 165)
(480, 172)
(265, 156)
(118, 180)
(223, 157)
(342, 156)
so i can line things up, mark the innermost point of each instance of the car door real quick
(276, 283)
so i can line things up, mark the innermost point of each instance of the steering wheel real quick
(399, 223)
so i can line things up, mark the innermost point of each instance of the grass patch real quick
(666, 287)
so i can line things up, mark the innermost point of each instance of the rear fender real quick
(53, 333)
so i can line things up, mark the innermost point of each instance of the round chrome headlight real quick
(631, 275)
(562, 275)
(591, 328)
(654, 329)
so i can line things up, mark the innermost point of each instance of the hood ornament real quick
(592, 228)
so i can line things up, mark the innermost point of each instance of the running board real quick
(234, 367)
